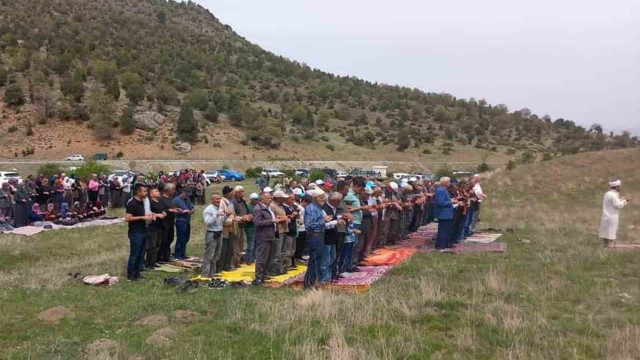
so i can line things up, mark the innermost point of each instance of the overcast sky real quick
(579, 60)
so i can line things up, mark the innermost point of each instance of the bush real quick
(527, 157)
(13, 95)
(511, 165)
(126, 121)
(253, 172)
(12, 129)
(91, 166)
(484, 167)
(330, 147)
(443, 171)
(427, 151)
(49, 170)
(547, 156)
(119, 155)
(212, 113)
(317, 175)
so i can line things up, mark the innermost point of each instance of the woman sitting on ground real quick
(51, 213)
(79, 211)
(36, 214)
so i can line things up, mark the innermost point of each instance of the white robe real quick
(611, 206)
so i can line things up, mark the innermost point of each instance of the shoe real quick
(258, 282)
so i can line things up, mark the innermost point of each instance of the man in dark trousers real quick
(164, 254)
(265, 223)
(183, 223)
(156, 227)
(135, 216)
(443, 208)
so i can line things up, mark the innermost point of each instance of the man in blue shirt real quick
(443, 211)
(314, 223)
(183, 223)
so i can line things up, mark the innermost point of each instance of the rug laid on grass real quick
(484, 238)
(247, 273)
(33, 230)
(356, 282)
(495, 247)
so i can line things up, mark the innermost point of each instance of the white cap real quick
(407, 186)
(393, 185)
(238, 188)
(254, 196)
(297, 191)
(267, 189)
(368, 190)
(319, 182)
(280, 194)
(317, 192)
(616, 183)
(313, 186)
(413, 179)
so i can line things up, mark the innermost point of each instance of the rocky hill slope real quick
(137, 76)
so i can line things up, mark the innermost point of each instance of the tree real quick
(48, 170)
(113, 88)
(162, 17)
(13, 95)
(135, 93)
(211, 114)
(187, 126)
(199, 99)
(127, 79)
(167, 94)
(402, 140)
(126, 121)
(46, 102)
(3, 76)
(104, 71)
(597, 128)
(101, 110)
(72, 85)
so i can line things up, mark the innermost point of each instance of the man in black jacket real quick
(265, 222)
(331, 236)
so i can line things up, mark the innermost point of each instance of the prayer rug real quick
(389, 256)
(33, 230)
(355, 282)
(247, 273)
(484, 238)
(170, 268)
(188, 263)
(471, 248)
(104, 279)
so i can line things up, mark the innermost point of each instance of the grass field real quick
(558, 295)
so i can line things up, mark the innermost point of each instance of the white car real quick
(75, 157)
(118, 174)
(213, 176)
(5, 176)
(400, 176)
(272, 173)
(341, 174)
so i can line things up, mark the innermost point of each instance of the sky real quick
(577, 60)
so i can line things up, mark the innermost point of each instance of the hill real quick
(115, 75)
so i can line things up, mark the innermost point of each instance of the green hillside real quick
(99, 61)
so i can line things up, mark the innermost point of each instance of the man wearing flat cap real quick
(611, 205)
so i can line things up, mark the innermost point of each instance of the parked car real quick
(341, 173)
(213, 176)
(461, 174)
(118, 174)
(5, 176)
(74, 157)
(400, 176)
(272, 173)
(302, 172)
(230, 175)
(100, 156)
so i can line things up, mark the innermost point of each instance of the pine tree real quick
(187, 127)
(113, 88)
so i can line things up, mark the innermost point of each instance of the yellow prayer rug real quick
(247, 273)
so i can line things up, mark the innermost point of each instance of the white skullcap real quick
(616, 183)
(317, 192)
(413, 179)
(280, 194)
(254, 196)
(297, 191)
(407, 186)
(393, 185)
(319, 182)
(238, 188)
(267, 189)
(313, 186)
(368, 190)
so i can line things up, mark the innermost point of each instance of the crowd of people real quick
(331, 224)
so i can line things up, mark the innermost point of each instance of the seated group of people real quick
(66, 215)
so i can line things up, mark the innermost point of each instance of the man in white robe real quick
(611, 206)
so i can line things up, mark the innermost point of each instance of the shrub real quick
(317, 175)
(511, 165)
(330, 147)
(13, 95)
(49, 170)
(547, 156)
(443, 171)
(119, 155)
(427, 151)
(253, 172)
(126, 121)
(12, 129)
(527, 157)
(212, 113)
(91, 166)
(484, 167)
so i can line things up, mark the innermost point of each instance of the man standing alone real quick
(611, 206)
(135, 216)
